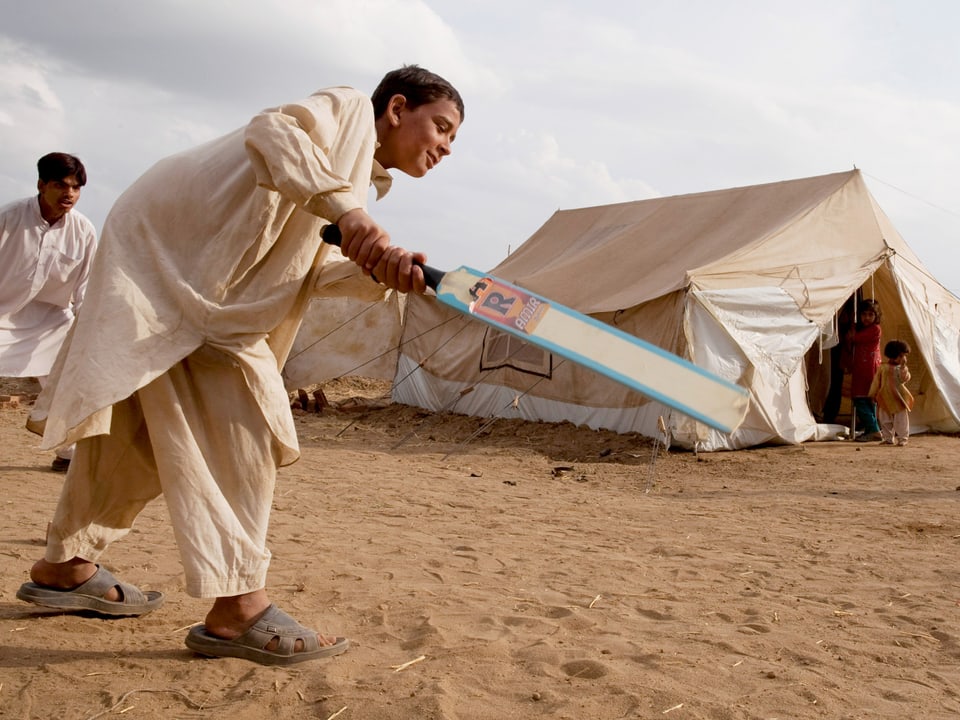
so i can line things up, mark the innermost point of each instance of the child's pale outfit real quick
(894, 402)
(170, 381)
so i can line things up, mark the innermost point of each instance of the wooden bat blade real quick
(635, 363)
(641, 366)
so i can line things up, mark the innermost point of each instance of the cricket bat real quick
(635, 363)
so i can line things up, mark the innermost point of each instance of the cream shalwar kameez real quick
(44, 269)
(171, 377)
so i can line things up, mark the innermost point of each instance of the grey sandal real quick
(274, 623)
(90, 596)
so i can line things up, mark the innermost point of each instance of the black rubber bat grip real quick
(331, 235)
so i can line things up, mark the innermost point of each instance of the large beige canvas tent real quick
(745, 282)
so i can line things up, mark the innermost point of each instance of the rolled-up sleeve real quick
(308, 151)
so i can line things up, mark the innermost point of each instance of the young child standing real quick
(889, 389)
(864, 342)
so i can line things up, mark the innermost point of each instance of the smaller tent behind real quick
(745, 282)
(343, 336)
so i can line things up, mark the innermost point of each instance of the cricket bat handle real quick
(331, 235)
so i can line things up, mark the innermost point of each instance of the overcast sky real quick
(569, 103)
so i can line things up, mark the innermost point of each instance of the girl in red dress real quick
(864, 343)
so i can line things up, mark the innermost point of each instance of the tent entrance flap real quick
(765, 322)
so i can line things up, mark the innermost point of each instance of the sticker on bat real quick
(507, 305)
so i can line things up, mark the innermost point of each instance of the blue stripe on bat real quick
(567, 352)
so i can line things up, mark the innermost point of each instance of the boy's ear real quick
(395, 108)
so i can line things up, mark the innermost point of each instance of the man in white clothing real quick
(46, 248)
(170, 381)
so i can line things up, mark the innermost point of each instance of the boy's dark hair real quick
(895, 348)
(57, 166)
(870, 305)
(418, 85)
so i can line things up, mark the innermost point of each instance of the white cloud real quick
(568, 104)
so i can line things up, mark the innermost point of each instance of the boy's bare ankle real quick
(232, 616)
(66, 575)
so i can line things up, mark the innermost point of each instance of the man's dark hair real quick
(895, 348)
(417, 85)
(57, 166)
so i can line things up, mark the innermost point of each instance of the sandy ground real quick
(525, 570)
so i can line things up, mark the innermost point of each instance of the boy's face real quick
(57, 197)
(415, 140)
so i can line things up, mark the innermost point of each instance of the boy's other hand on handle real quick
(368, 245)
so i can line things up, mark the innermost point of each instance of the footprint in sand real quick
(586, 669)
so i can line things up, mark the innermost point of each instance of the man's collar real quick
(38, 208)
(381, 179)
